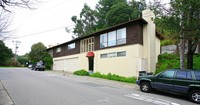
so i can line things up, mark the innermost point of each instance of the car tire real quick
(194, 96)
(145, 87)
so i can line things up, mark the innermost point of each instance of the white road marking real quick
(151, 99)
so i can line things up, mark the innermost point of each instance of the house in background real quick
(124, 49)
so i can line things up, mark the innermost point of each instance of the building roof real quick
(140, 20)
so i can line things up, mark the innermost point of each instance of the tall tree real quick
(102, 8)
(181, 18)
(86, 24)
(5, 54)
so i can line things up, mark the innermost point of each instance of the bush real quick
(81, 73)
(115, 77)
(169, 61)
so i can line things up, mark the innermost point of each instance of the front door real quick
(91, 63)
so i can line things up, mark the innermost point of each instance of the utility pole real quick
(16, 43)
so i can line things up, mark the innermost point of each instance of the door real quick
(165, 80)
(91, 63)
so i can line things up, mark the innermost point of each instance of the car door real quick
(164, 81)
(182, 80)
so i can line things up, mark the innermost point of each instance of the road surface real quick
(26, 87)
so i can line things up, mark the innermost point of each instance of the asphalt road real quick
(26, 87)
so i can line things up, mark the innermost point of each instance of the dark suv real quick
(38, 66)
(185, 82)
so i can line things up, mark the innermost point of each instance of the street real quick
(26, 87)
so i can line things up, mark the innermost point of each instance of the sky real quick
(45, 24)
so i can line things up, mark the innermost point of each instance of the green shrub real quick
(115, 77)
(169, 61)
(81, 73)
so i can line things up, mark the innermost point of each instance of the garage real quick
(58, 64)
(72, 64)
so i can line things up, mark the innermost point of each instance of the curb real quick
(4, 96)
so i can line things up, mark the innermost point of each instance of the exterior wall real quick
(124, 66)
(150, 50)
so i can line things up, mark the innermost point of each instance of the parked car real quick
(40, 66)
(183, 82)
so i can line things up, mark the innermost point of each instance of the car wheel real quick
(194, 96)
(145, 87)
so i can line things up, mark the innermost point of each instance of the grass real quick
(108, 76)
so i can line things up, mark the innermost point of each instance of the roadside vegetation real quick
(168, 61)
(108, 76)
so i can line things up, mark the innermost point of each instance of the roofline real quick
(100, 31)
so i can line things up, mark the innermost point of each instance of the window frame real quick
(71, 46)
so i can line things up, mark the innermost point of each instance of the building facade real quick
(124, 49)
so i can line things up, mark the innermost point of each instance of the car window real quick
(197, 75)
(181, 74)
(167, 74)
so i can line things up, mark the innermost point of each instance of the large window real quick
(71, 46)
(87, 45)
(113, 38)
(121, 36)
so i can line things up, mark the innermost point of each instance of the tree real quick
(181, 20)
(106, 14)
(86, 24)
(39, 53)
(119, 13)
(5, 54)
(23, 60)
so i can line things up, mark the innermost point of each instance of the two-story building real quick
(124, 49)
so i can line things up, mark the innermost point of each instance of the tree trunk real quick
(198, 47)
(191, 50)
(189, 56)
(182, 53)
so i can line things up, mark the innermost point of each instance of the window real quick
(58, 49)
(111, 55)
(121, 36)
(103, 55)
(184, 75)
(112, 38)
(103, 40)
(167, 74)
(71, 46)
(87, 45)
(197, 75)
(121, 54)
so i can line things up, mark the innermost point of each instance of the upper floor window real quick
(103, 40)
(71, 46)
(87, 45)
(121, 36)
(113, 38)
(58, 49)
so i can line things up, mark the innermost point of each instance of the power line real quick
(42, 32)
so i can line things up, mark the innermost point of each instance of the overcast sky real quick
(45, 24)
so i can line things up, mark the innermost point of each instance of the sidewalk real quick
(97, 80)
(4, 97)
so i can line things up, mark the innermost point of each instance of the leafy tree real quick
(119, 13)
(23, 59)
(106, 14)
(38, 52)
(181, 21)
(102, 8)
(86, 24)
(5, 54)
